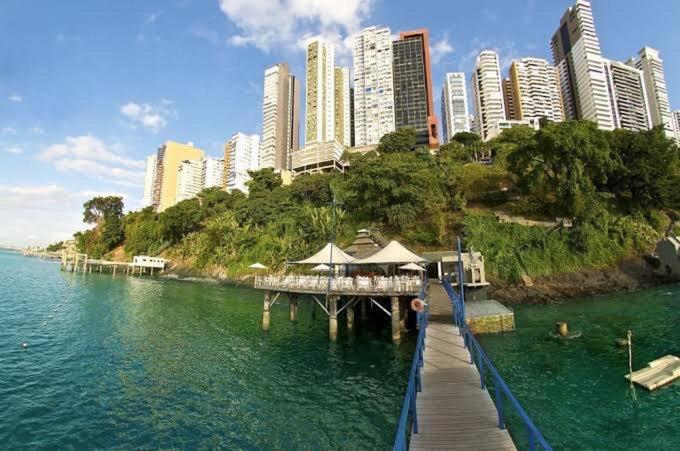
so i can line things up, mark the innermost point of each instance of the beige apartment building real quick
(169, 158)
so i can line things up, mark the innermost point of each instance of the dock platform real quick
(489, 316)
(453, 411)
(658, 373)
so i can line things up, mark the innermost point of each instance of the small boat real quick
(658, 373)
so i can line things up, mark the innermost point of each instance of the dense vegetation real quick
(619, 187)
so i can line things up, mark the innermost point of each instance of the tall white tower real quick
(535, 90)
(487, 92)
(651, 65)
(373, 85)
(581, 68)
(241, 154)
(320, 99)
(455, 111)
(342, 106)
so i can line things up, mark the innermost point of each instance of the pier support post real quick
(403, 315)
(396, 327)
(152, 271)
(265, 309)
(350, 317)
(114, 272)
(293, 307)
(333, 318)
(364, 313)
(74, 267)
(100, 269)
(85, 265)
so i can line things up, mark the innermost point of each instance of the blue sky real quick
(88, 89)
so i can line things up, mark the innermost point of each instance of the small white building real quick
(145, 261)
(668, 252)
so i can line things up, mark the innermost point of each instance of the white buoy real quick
(24, 345)
(50, 316)
(45, 323)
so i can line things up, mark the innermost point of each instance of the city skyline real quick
(63, 144)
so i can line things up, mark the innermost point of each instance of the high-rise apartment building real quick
(351, 117)
(373, 85)
(189, 179)
(487, 92)
(343, 123)
(532, 91)
(581, 68)
(413, 102)
(213, 172)
(149, 178)
(651, 65)
(241, 154)
(320, 92)
(281, 122)
(168, 161)
(627, 88)
(509, 100)
(455, 113)
(675, 120)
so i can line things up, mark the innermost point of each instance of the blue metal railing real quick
(484, 364)
(408, 409)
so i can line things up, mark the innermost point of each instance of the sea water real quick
(130, 362)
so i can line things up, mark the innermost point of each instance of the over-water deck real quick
(453, 412)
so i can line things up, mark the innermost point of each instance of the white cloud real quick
(267, 24)
(151, 117)
(46, 213)
(153, 17)
(90, 156)
(440, 49)
(14, 150)
(16, 98)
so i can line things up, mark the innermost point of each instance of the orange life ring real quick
(417, 305)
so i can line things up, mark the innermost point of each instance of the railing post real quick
(532, 443)
(414, 412)
(499, 402)
(480, 367)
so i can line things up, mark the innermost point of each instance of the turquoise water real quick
(137, 362)
(574, 390)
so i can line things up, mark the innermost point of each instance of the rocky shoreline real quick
(627, 276)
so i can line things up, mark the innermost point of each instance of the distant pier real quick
(140, 265)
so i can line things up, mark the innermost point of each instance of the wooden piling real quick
(293, 307)
(333, 318)
(265, 309)
(152, 270)
(396, 327)
(113, 274)
(350, 317)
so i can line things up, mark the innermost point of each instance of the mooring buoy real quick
(24, 345)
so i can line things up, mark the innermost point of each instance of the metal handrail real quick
(408, 408)
(483, 362)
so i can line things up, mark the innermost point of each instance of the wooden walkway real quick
(453, 412)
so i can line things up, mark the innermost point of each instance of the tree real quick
(181, 219)
(264, 180)
(55, 247)
(392, 188)
(466, 138)
(402, 140)
(312, 188)
(648, 172)
(142, 232)
(99, 209)
(454, 153)
(567, 160)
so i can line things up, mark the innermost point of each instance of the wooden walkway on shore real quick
(453, 412)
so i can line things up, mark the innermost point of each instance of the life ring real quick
(417, 305)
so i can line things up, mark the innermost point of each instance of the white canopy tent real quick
(324, 257)
(412, 267)
(321, 268)
(391, 254)
(257, 266)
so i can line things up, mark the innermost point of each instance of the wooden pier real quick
(75, 262)
(453, 412)
(340, 294)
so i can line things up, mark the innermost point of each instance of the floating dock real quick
(489, 317)
(658, 373)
